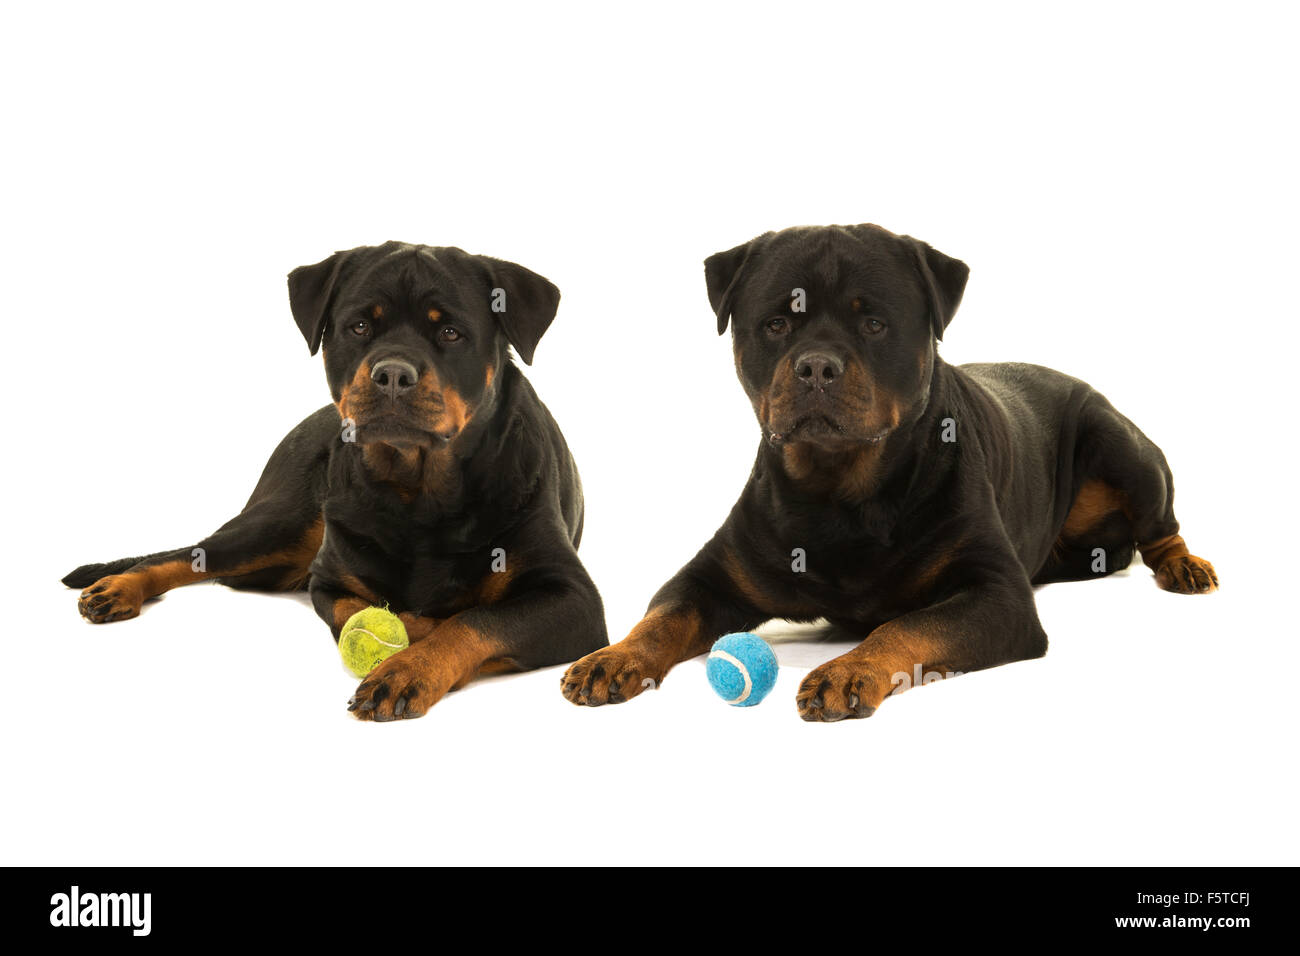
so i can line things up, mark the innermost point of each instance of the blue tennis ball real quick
(742, 669)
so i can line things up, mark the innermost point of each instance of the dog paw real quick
(839, 689)
(1187, 574)
(114, 598)
(399, 688)
(610, 675)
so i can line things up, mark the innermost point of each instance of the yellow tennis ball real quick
(369, 637)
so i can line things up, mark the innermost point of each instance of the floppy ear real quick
(310, 291)
(523, 302)
(722, 272)
(944, 279)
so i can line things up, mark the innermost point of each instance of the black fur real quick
(925, 547)
(443, 490)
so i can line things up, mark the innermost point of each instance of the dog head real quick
(834, 329)
(415, 337)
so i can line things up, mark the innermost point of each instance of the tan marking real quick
(501, 665)
(926, 579)
(448, 410)
(666, 636)
(163, 577)
(411, 470)
(900, 647)
(897, 648)
(1176, 569)
(1158, 552)
(419, 627)
(1095, 501)
(300, 556)
(669, 635)
(778, 391)
(377, 312)
(494, 585)
(852, 472)
(352, 391)
(455, 412)
(798, 461)
(1184, 573)
(451, 654)
(860, 478)
(345, 607)
(763, 600)
(850, 475)
(442, 407)
(401, 467)
(447, 658)
(355, 586)
(160, 578)
(133, 587)
(743, 582)
(434, 315)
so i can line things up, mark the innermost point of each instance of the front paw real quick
(398, 688)
(610, 675)
(114, 598)
(838, 689)
(1187, 574)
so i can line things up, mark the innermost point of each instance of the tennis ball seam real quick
(361, 647)
(378, 639)
(744, 672)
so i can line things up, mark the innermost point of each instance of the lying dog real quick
(437, 483)
(909, 501)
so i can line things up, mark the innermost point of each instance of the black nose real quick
(394, 376)
(818, 369)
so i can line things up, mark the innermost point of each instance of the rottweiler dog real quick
(908, 501)
(437, 483)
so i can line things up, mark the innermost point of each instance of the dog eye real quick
(360, 328)
(874, 326)
(449, 334)
(778, 326)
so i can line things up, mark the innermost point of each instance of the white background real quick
(1121, 181)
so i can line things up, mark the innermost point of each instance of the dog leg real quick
(269, 545)
(703, 601)
(983, 626)
(514, 634)
(1133, 470)
(265, 547)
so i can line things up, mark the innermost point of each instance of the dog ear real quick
(310, 290)
(722, 272)
(523, 302)
(944, 279)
